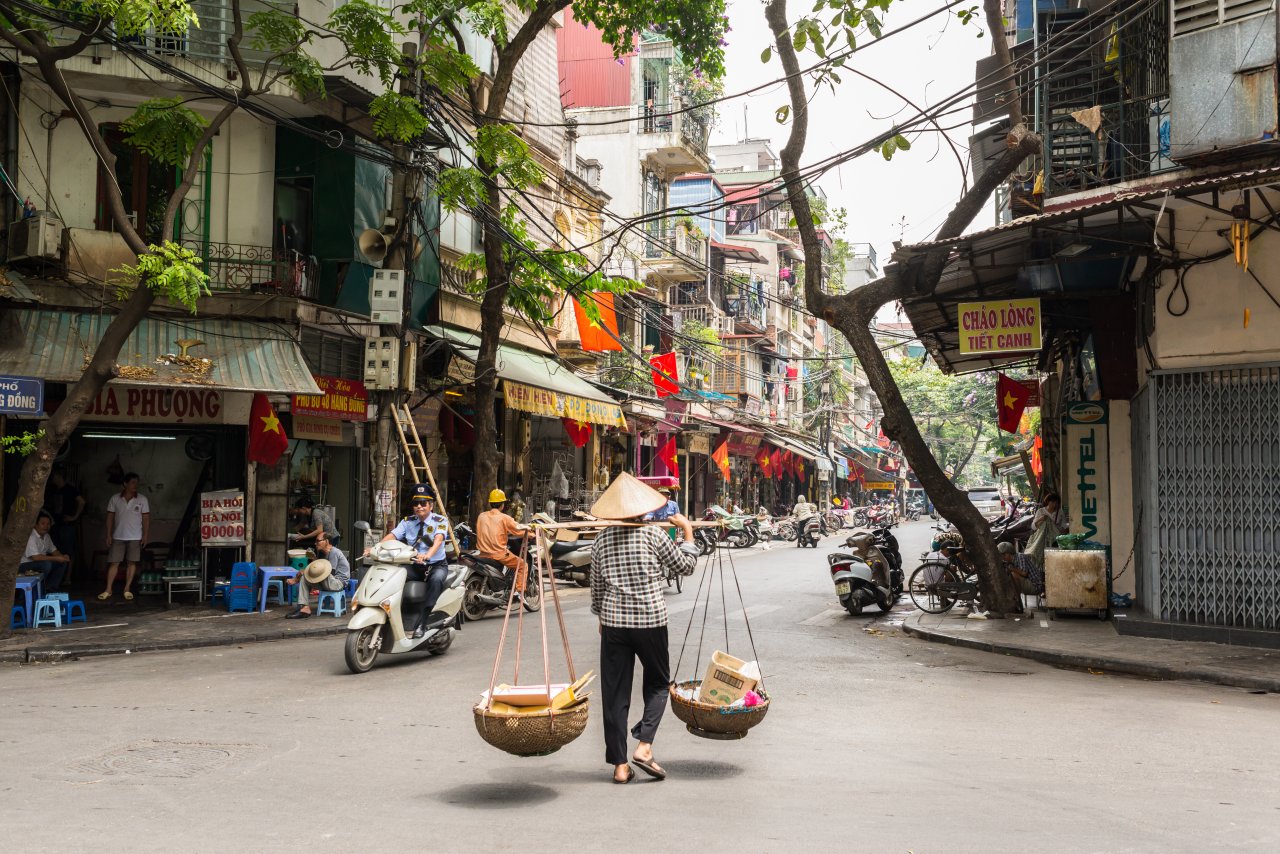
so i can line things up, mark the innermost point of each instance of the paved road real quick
(875, 742)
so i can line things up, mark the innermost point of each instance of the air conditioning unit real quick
(36, 236)
(791, 392)
(382, 363)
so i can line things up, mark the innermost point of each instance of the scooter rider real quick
(425, 530)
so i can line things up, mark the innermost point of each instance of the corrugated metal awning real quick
(246, 356)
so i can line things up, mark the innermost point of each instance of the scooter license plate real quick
(842, 588)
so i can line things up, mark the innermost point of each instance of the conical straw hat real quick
(317, 571)
(627, 498)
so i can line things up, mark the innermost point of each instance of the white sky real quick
(927, 64)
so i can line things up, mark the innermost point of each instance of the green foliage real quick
(170, 270)
(284, 36)
(368, 32)
(954, 414)
(696, 27)
(22, 444)
(165, 130)
(127, 17)
(397, 116)
(894, 144)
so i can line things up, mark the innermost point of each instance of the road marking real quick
(824, 618)
(753, 611)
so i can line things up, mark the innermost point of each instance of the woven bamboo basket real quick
(719, 722)
(532, 735)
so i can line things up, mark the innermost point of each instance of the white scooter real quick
(386, 597)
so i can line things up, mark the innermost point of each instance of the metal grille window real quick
(1212, 489)
(333, 355)
(1192, 15)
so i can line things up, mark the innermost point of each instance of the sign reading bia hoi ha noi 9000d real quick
(1011, 326)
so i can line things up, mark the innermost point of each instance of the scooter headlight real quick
(385, 605)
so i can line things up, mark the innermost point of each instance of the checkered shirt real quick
(627, 577)
(1028, 564)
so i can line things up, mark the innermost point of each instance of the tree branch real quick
(193, 166)
(994, 13)
(513, 51)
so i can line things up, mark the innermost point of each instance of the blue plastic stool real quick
(353, 584)
(332, 602)
(58, 597)
(220, 590)
(69, 609)
(18, 617)
(48, 613)
(284, 592)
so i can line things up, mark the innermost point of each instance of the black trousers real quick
(619, 649)
(434, 574)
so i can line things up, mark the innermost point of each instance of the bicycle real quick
(937, 585)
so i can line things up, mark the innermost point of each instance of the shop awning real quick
(732, 252)
(793, 445)
(728, 425)
(246, 355)
(543, 386)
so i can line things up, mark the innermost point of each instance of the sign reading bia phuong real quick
(222, 518)
(1011, 326)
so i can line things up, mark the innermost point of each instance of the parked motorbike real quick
(736, 531)
(871, 572)
(570, 559)
(387, 598)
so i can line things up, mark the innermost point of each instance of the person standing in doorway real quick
(128, 524)
(628, 576)
(65, 505)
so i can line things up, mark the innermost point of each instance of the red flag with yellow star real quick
(1011, 399)
(762, 460)
(594, 335)
(267, 440)
(721, 458)
(667, 453)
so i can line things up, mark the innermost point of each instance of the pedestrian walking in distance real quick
(628, 575)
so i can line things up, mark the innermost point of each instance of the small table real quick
(184, 584)
(32, 588)
(268, 573)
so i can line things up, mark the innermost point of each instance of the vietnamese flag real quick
(1011, 399)
(667, 453)
(762, 460)
(800, 469)
(595, 335)
(579, 431)
(665, 364)
(267, 440)
(775, 463)
(721, 457)
(788, 463)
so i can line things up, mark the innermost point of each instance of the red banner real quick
(345, 400)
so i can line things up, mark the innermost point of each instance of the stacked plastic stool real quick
(332, 602)
(242, 593)
(18, 617)
(48, 613)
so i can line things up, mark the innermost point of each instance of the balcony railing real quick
(257, 269)
(209, 40)
(692, 127)
(677, 243)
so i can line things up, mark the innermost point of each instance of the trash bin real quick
(1075, 580)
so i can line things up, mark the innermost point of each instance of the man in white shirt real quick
(128, 524)
(42, 558)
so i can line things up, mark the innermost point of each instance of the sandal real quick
(650, 767)
(631, 775)
(102, 597)
(128, 596)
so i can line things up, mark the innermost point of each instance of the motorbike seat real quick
(488, 561)
(561, 549)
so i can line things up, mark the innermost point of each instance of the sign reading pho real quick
(22, 396)
(1010, 326)
(222, 518)
(1086, 473)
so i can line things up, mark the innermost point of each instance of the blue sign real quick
(22, 396)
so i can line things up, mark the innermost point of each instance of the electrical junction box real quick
(386, 296)
(382, 363)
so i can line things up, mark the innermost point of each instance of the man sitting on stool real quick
(42, 557)
(493, 527)
(330, 572)
(1027, 576)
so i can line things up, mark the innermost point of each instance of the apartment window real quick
(1190, 16)
(743, 219)
(144, 185)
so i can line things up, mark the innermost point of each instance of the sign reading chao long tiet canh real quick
(1011, 326)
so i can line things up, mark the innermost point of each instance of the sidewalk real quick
(145, 625)
(1087, 642)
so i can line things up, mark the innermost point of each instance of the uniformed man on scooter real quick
(426, 531)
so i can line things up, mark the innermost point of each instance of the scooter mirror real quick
(362, 526)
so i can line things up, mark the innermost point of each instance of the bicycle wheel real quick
(923, 587)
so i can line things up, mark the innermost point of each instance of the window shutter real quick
(1189, 16)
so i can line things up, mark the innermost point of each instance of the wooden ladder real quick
(416, 457)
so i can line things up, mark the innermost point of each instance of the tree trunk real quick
(853, 313)
(963, 462)
(492, 322)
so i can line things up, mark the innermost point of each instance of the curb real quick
(1115, 665)
(43, 655)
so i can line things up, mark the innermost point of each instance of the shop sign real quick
(873, 484)
(1009, 326)
(1086, 471)
(345, 400)
(541, 401)
(222, 518)
(744, 444)
(317, 429)
(22, 396)
(146, 405)
(697, 443)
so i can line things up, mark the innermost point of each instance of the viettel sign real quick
(1009, 326)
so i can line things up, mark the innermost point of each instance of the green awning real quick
(246, 355)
